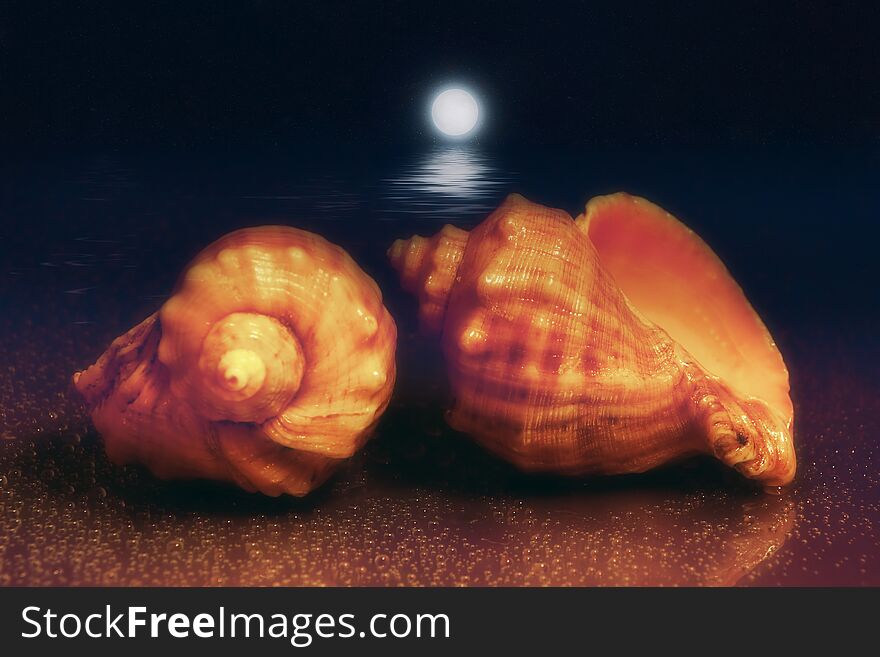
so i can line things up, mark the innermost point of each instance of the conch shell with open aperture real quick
(271, 362)
(608, 344)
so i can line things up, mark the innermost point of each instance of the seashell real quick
(269, 364)
(608, 344)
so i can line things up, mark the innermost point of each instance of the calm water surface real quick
(92, 245)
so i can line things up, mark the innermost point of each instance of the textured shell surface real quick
(270, 363)
(609, 344)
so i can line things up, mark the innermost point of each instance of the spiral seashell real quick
(269, 364)
(610, 344)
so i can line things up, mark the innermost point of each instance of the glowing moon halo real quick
(455, 112)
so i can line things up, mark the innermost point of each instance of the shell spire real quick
(428, 267)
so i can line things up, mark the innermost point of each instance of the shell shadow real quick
(74, 468)
(691, 523)
(414, 447)
(415, 490)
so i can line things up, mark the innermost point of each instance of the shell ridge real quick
(555, 367)
(261, 321)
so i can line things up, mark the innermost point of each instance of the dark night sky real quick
(188, 75)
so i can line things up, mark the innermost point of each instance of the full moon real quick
(455, 112)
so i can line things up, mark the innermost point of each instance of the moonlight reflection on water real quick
(448, 181)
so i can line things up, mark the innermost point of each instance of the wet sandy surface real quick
(420, 505)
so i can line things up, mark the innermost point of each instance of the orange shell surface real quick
(610, 344)
(270, 363)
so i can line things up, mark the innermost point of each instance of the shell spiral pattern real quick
(270, 363)
(609, 344)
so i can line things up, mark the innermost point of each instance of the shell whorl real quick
(271, 362)
(278, 327)
(250, 368)
(428, 267)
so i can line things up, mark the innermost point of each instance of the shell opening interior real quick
(677, 282)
